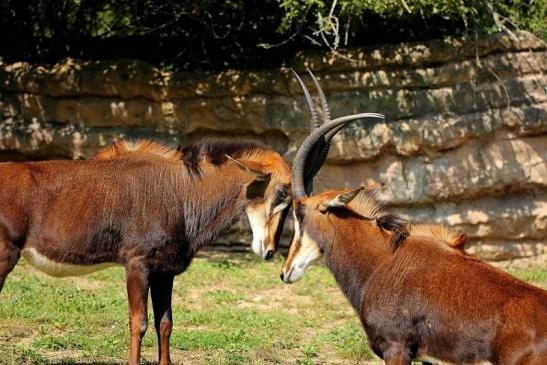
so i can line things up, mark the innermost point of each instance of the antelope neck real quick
(353, 257)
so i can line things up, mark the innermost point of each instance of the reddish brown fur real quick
(140, 146)
(422, 299)
(140, 205)
(441, 233)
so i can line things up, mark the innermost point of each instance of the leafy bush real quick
(238, 33)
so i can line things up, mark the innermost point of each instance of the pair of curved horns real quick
(312, 153)
(320, 150)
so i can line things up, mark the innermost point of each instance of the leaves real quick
(215, 34)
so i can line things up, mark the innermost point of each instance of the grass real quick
(228, 309)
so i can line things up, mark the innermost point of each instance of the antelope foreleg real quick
(9, 255)
(137, 291)
(161, 288)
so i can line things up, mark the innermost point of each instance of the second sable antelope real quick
(418, 294)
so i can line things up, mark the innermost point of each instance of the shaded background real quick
(462, 84)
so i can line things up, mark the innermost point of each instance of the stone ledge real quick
(416, 54)
(432, 135)
(473, 170)
(262, 113)
(507, 250)
(503, 217)
(129, 79)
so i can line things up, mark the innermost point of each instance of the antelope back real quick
(264, 176)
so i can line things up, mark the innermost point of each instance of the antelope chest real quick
(57, 268)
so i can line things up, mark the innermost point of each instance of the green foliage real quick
(240, 33)
(525, 14)
(348, 18)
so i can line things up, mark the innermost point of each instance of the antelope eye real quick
(281, 195)
(299, 213)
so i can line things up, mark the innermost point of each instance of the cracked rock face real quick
(465, 142)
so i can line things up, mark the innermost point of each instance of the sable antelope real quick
(144, 206)
(418, 295)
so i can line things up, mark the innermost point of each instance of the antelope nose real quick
(269, 255)
(282, 276)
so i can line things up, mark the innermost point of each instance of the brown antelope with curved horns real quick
(418, 295)
(144, 206)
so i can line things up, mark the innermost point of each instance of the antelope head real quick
(269, 198)
(311, 229)
(268, 209)
(315, 231)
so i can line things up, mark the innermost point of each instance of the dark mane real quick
(397, 225)
(367, 205)
(214, 151)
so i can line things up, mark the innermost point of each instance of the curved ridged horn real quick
(323, 145)
(321, 150)
(324, 105)
(321, 157)
(332, 133)
(314, 121)
(298, 187)
(314, 124)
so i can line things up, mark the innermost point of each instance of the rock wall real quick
(465, 141)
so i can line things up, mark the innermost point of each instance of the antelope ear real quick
(460, 242)
(375, 186)
(251, 168)
(341, 200)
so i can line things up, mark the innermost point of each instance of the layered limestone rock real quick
(464, 141)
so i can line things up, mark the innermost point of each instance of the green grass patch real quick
(536, 275)
(228, 309)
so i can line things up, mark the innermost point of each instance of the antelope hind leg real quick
(161, 288)
(9, 255)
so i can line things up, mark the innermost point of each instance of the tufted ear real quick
(341, 200)
(252, 168)
(375, 186)
(460, 242)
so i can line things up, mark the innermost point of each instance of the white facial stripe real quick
(59, 269)
(308, 252)
(296, 224)
(257, 219)
(262, 221)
